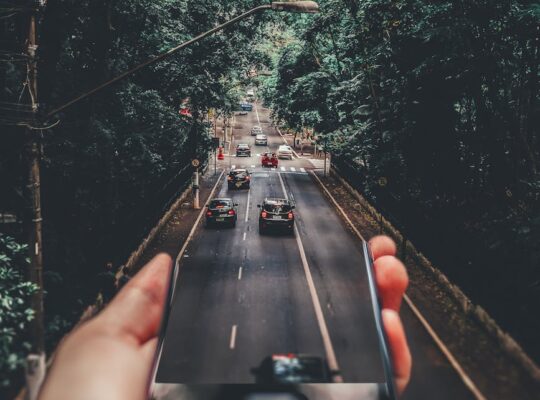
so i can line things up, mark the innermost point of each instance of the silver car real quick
(261, 140)
(256, 130)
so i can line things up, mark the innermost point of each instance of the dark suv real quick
(243, 149)
(221, 211)
(276, 213)
(238, 179)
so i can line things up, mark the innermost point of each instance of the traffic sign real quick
(195, 163)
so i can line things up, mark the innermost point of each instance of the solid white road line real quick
(257, 114)
(181, 254)
(232, 343)
(451, 359)
(247, 207)
(240, 274)
(245, 234)
(325, 334)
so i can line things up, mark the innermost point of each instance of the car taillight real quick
(248, 178)
(209, 213)
(291, 216)
(231, 212)
(229, 178)
(264, 214)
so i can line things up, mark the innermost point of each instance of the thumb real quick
(137, 310)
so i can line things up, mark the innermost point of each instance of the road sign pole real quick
(196, 204)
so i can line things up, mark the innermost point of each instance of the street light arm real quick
(160, 57)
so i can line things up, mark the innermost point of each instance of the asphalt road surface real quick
(241, 297)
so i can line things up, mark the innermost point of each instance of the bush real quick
(15, 311)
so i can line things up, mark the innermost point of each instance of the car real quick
(293, 369)
(285, 151)
(221, 211)
(256, 130)
(238, 178)
(243, 149)
(269, 160)
(245, 107)
(261, 140)
(276, 213)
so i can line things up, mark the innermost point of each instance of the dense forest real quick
(111, 164)
(433, 109)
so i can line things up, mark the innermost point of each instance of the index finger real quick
(382, 246)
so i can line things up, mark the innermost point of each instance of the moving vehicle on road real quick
(221, 211)
(269, 160)
(245, 107)
(292, 369)
(239, 178)
(243, 150)
(256, 130)
(261, 140)
(276, 213)
(285, 151)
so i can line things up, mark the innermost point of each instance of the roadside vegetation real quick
(433, 108)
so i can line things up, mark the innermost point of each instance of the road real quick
(241, 297)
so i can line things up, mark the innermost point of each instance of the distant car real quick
(246, 107)
(256, 130)
(242, 150)
(285, 151)
(292, 369)
(221, 211)
(276, 213)
(261, 140)
(238, 179)
(269, 160)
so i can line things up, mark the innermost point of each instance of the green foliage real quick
(442, 99)
(15, 310)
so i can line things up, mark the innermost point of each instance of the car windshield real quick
(296, 370)
(239, 172)
(277, 207)
(219, 204)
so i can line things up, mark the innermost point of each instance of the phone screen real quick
(272, 316)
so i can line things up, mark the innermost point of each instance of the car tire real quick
(248, 185)
(261, 229)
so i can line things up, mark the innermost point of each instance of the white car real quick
(256, 130)
(261, 140)
(285, 151)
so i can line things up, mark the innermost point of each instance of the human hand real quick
(392, 281)
(111, 356)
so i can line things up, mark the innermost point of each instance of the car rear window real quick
(219, 203)
(239, 173)
(277, 207)
(243, 146)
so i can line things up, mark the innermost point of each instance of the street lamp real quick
(304, 7)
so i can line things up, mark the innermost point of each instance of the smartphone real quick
(188, 367)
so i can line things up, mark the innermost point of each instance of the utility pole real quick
(35, 365)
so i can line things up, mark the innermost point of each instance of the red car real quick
(269, 160)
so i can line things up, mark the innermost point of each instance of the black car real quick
(292, 369)
(243, 149)
(239, 179)
(221, 211)
(276, 213)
